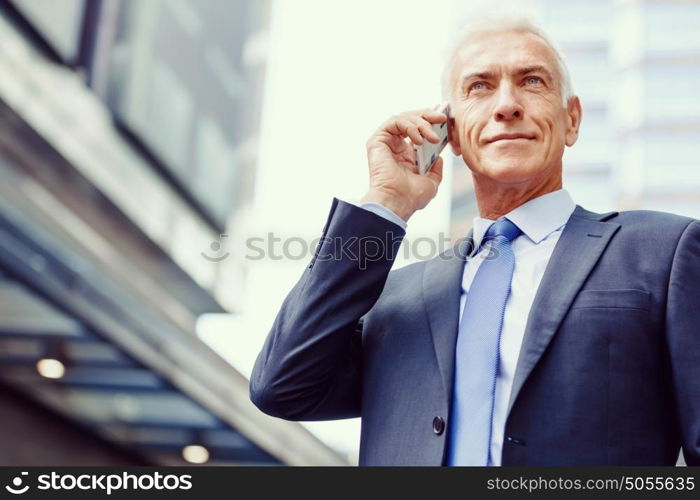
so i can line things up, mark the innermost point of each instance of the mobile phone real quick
(428, 152)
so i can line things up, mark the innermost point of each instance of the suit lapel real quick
(580, 245)
(442, 287)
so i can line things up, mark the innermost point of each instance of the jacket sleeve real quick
(311, 363)
(683, 338)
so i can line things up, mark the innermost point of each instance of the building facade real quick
(128, 157)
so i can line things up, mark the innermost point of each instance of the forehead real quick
(503, 51)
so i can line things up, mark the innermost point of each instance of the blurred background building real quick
(165, 166)
(128, 138)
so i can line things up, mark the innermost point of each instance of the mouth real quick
(510, 137)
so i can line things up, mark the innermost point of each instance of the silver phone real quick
(428, 152)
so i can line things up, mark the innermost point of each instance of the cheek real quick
(553, 130)
(470, 125)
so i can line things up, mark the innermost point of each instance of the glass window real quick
(672, 160)
(214, 164)
(671, 90)
(577, 21)
(590, 189)
(177, 77)
(672, 26)
(590, 74)
(593, 146)
(59, 22)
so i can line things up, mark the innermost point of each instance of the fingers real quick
(433, 116)
(416, 125)
(403, 126)
(414, 132)
(427, 131)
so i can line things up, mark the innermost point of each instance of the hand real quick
(393, 175)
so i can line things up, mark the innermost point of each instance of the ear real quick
(454, 136)
(573, 113)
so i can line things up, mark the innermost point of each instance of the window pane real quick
(178, 77)
(672, 91)
(59, 21)
(672, 26)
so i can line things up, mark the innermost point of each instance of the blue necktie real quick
(476, 356)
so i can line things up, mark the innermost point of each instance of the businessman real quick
(551, 335)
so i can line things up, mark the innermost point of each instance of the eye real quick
(477, 86)
(534, 80)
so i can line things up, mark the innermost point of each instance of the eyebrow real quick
(488, 75)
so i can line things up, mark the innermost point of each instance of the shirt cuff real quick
(382, 211)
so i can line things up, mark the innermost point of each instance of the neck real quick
(497, 199)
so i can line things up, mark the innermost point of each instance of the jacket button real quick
(438, 425)
(513, 440)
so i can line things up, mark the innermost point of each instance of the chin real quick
(508, 170)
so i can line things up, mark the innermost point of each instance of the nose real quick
(508, 107)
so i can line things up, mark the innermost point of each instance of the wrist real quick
(397, 204)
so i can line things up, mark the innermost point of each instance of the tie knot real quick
(503, 227)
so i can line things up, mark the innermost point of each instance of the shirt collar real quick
(537, 218)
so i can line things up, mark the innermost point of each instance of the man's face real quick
(509, 121)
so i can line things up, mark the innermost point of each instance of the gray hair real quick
(495, 22)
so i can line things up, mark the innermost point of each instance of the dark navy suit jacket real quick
(608, 371)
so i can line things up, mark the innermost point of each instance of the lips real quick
(506, 137)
